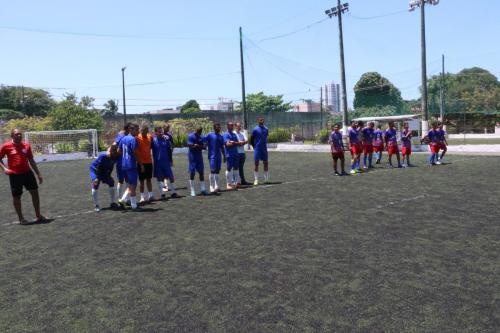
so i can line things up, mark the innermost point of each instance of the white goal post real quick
(81, 143)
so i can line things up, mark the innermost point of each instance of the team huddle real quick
(140, 156)
(368, 141)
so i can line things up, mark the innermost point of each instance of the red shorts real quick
(392, 150)
(434, 148)
(442, 146)
(336, 154)
(406, 150)
(367, 149)
(356, 149)
(378, 148)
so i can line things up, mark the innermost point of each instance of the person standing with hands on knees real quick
(20, 171)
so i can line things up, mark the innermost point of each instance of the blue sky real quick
(178, 50)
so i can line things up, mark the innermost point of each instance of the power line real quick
(376, 16)
(293, 32)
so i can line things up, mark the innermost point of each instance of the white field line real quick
(265, 186)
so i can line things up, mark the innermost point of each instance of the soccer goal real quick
(73, 144)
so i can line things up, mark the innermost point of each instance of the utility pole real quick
(442, 91)
(338, 11)
(413, 5)
(243, 93)
(321, 106)
(123, 91)
(22, 100)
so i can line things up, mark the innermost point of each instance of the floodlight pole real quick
(123, 91)
(425, 113)
(321, 106)
(338, 11)
(243, 93)
(442, 90)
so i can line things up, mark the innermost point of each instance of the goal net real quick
(74, 144)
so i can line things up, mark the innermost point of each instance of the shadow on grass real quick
(32, 223)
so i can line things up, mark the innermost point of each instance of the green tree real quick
(110, 108)
(191, 106)
(470, 90)
(7, 114)
(374, 90)
(29, 101)
(71, 114)
(265, 103)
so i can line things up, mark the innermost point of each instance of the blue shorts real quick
(106, 180)
(260, 154)
(120, 175)
(233, 162)
(215, 164)
(196, 165)
(163, 171)
(131, 176)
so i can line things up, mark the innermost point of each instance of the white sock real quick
(95, 196)
(216, 180)
(256, 175)
(151, 195)
(112, 192)
(125, 196)
(191, 185)
(166, 184)
(228, 179)
(160, 186)
(211, 180)
(202, 186)
(118, 190)
(142, 195)
(236, 174)
(133, 202)
(266, 175)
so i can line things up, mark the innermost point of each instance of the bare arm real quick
(35, 168)
(4, 168)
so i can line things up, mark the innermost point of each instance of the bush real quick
(323, 135)
(29, 124)
(279, 135)
(64, 147)
(180, 140)
(7, 114)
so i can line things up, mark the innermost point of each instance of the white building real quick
(331, 97)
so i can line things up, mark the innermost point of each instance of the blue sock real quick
(431, 158)
(370, 158)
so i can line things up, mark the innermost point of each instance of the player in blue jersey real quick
(216, 154)
(128, 150)
(391, 143)
(368, 136)
(378, 143)
(406, 144)
(356, 147)
(196, 144)
(100, 172)
(232, 157)
(337, 150)
(432, 138)
(120, 176)
(162, 169)
(259, 144)
(168, 134)
(443, 144)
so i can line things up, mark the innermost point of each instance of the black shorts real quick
(17, 182)
(148, 171)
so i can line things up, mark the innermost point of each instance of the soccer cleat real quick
(97, 208)
(163, 196)
(229, 187)
(256, 182)
(353, 172)
(151, 199)
(114, 205)
(337, 173)
(121, 204)
(174, 195)
(204, 192)
(403, 165)
(438, 162)
(400, 166)
(142, 201)
(344, 173)
(137, 209)
(193, 193)
(212, 190)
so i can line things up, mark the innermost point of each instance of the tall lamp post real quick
(338, 11)
(123, 91)
(413, 5)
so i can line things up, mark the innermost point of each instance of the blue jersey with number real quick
(259, 136)
(233, 150)
(128, 145)
(368, 135)
(161, 150)
(379, 136)
(102, 166)
(118, 138)
(195, 139)
(391, 136)
(215, 142)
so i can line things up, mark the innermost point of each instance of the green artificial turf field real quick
(403, 250)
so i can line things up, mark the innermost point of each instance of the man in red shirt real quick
(20, 158)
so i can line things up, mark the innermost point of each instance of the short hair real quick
(216, 124)
(126, 127)
(113, 148)
(361, 123)
(157, 128)
(230, 122)
(14, 129)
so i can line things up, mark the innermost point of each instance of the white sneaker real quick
(193, 193)
(97, 209)
(256, 182)
(438, 162)
(212, 189)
